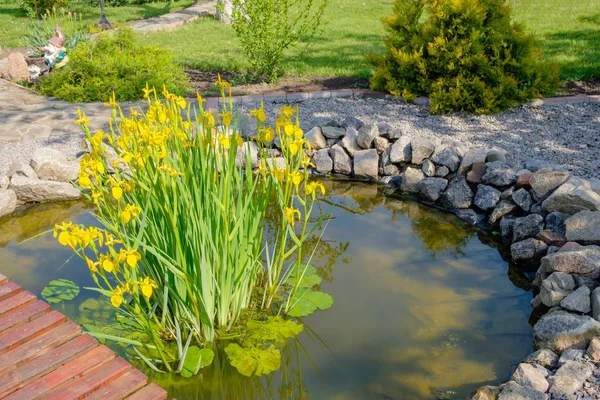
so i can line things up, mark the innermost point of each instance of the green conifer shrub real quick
(466, 55)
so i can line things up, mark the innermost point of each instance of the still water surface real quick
(425, 306)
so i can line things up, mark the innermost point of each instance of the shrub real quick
(266, 28)
(37, 8)
(121, 63)
(466, 55)
(71, 25)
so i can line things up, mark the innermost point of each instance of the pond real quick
(425, 305)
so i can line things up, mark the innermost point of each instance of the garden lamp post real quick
(103, 23)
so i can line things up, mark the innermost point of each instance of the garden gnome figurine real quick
(55, 54)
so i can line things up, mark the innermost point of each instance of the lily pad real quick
(309, 277)
(196, 359)
(253, 361)
(275, 328)
(308, 301)
(60, 290)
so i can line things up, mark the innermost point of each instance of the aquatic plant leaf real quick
(196, 359)
(306, 302)
(275, 328)
(60, 290)
(253, 361)
(307, 281)
(307, 269)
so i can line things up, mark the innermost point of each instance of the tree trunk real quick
(224, 9)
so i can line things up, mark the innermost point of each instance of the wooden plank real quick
(150, 392)
(39, 346)
(54, 359)
(9, 289)
(89, 383)
(3, 279)
(59, 380)
(121, 387)
(16, 336)
(16, 302)
(24, 315)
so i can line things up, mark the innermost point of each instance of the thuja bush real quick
(120, 63)
(37, 8)
(181, 252)
(466, 55)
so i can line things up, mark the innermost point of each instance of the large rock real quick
(522, 198)
(422, 148)
(499, 174)
(573, 196)
(16, 68)
(593, 350)
(528, 251)
(446, 157)
(595, 300)
(53, 165)
(349, 141)
(315, 138)
(503, 208)
(411, 179)
(570, 378)
(342, 163)
(385, 164)
(513, 391)
(322, 161)
(366, 163)
(355, 123)
(471, 156)
(8, 202)
(30, 190)
(486, 393)
(544, 181)
(555, 221)
(332, 132)
(401, 150)
(544, 357)
(442, 172)
(572, 354)
(555, 288)
(428, 168)
(458, 194)
(476, 173)
(486, 197)
(583, 227)
(558, 330)
(528, 376)
(366, 135)
(381, 144)
(21, 169)
(584, 260)
(241, 156)
(431, 188)
(578, 301)
(527, 227)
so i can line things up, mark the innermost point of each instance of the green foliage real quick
(267, 28)
(119, 62)
(196, 359)
(274, 329)
(60, 290)
(253, 360)
(307, 301)
(37, 8)
(466, 56)
(71, 25)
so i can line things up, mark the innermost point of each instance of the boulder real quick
(342, 163)
(503, 208)
(528, 251)
(523, 178)
(506, 228)
(459, 148)
(333, 132)
(583, 227)
(495, 155)
(357, 123)
(431, 188)
(544, 357)
(446, 157)
(555, 288)
(470, 216)
(8, 202)
(595, 300)
(552, 238)
(475, 175)
(527, 227)
(507, 193)
(411, 179)
(401, 150)
(349, 141)
(4, 182)
(366, 135)
(366, 164)
(522, 198)
(513, 391)
(16, 68)
(571, 355)
(593, 350)
(442, 172)
(241, 155)
(499, 174)
(545, 180)
(570, 246)
(588, 282)
(486, 393)
(578, 301)
(421, 148)
(385, 164)
(21, 169)
(526, 375)
(30, 190)
(486, 197)
(583, 261)
(428, 168)
(471, 156)
(315, 138)
(276, 161)
(387, 131)
(51, 164)
(579, 372)
(573, 196)
(458, 194)
(558, 330)
(322, 161)
(380, 144)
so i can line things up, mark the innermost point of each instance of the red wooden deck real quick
(43, 355)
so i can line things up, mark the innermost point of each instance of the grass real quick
(14, 20)
(569, 31)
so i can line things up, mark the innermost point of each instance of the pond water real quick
(425, 306)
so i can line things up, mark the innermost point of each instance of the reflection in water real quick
(423, 307)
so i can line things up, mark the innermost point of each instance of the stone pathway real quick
(175, 19)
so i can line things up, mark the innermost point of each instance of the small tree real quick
(267, 28)
(466, 55)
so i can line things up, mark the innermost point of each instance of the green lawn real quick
(569, 31)
(14, 21)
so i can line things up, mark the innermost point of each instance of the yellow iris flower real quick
(290, 214)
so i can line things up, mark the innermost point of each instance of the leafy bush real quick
(71, 25)
(466, 56)
(37, 8)
(267, 28)
(119, 62)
